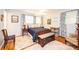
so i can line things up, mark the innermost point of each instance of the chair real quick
(1, 40)
(7, 38)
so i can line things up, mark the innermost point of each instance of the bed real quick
(37, 31)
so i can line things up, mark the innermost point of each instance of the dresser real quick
(60, 38)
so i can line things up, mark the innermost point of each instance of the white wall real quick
(1, 27)
(1, 22)
(14, 28)
(55, 20)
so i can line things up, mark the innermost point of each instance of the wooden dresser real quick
(78, 35)
(60, 39)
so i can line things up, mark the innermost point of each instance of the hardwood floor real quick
(9, 46)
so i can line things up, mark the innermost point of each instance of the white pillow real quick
(46, 26)
(34, 25)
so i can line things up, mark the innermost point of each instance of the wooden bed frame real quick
(43, 32)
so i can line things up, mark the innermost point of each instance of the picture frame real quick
(1, 17)
(14, 19)
(49, 21)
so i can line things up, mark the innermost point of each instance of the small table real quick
(45, 38)
(24, 31)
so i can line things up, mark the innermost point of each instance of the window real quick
(32, 20)
(38, 20)
(29, 19)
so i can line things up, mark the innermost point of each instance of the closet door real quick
(71, 18)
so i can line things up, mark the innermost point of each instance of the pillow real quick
(34, 25)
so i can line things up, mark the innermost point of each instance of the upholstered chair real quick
(7, 38)
(1, 40)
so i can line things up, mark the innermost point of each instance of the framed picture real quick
(14, 19)
(49, 21)
(1, 17)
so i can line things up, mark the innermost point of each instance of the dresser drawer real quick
(60, 38)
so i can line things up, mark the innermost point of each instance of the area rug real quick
(54, 45)
(26, 43)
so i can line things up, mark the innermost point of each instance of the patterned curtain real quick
(77, 21)
(22, 19)
(62, 25)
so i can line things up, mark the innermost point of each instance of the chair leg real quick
(5, 43)
(14, 42)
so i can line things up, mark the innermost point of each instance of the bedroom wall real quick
(55, 16)
(55, 20)
(14, 28)
(1, 22)
(1, 26)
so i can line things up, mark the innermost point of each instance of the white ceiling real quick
(42, 11)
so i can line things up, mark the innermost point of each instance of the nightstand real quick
(24, 31)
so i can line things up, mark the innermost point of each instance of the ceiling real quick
(42, 11)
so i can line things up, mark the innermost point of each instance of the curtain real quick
(62, 25)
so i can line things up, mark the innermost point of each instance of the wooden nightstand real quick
(24, 30)
(60, 38)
